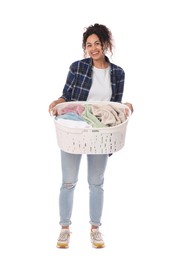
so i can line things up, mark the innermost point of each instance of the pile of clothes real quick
(91, 115)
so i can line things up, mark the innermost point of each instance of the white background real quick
(38, 41)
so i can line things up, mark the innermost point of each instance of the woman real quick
(93, 78)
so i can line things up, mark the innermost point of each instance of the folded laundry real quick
(95, 115)
(76, 108)
(90, 118)
(70, 116)
(73, 123)
(109, 115)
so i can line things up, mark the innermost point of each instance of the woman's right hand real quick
(52, 107)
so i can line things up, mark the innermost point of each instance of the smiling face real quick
(94, 48)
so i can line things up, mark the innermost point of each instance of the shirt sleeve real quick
(121, 86)
(117, 80)
(67, 90)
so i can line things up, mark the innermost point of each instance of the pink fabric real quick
(76, 108)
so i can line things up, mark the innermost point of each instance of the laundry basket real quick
(104, 140)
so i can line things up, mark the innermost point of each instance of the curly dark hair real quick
(103, 33)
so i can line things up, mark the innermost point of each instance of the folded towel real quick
(76, 108)
(90, 118)
(108, 114)
(70, 116)
(73, 123)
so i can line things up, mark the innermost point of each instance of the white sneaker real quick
(64, 237)
(96, 238)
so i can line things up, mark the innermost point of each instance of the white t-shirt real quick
(101, 85)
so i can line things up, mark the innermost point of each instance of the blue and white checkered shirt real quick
(79, 81)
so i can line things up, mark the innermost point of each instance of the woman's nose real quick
(93, 47)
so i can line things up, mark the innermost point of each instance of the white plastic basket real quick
(105, 140)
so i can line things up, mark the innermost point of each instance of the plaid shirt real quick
(79, 81)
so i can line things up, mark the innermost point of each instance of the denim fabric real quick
(70, 168)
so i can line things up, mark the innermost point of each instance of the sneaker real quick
(96, 238)
(64, 237)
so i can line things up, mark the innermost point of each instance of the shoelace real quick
(64, 235)
(97, 235)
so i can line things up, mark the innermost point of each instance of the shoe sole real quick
(62, 246)
(98, 245)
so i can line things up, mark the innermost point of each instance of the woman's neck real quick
(100, 64)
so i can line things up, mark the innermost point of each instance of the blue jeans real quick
(70, 168)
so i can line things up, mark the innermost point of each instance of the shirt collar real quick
(91, 61)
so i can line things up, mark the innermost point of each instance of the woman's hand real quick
(129, 105)
(52, 107)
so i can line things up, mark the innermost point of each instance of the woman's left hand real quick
(130, 106)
